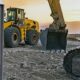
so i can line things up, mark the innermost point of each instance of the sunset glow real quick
(39, 9)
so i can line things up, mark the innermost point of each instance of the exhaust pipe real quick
(1, 36)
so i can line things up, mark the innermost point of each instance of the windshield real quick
(11, 15)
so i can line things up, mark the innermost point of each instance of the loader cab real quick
(14, 14)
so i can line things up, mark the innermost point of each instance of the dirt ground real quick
(33, 63)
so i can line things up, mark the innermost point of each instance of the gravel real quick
(33, 63)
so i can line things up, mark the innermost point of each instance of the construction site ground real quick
(34, 63)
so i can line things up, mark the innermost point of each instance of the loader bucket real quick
(54, 39)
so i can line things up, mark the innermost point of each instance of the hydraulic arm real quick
(55, 36)
(56, 12)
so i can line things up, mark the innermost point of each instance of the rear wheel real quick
(11, 37)
(32, 37)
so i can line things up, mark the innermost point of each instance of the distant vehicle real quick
(18, 29)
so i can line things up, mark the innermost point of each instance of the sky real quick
(39, 9)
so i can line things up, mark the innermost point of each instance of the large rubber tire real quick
(32, 37)
(11, 37)
(68, 62)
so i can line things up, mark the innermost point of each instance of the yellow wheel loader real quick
(19, 30)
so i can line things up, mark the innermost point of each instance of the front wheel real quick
(11, 37)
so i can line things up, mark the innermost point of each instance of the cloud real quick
(18, 3)
(70, 8)
(38, 10)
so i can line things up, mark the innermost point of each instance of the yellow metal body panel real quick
(7, 24)
(56, 8)
(31, 24)
(27, 25)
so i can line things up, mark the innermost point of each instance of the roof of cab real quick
(14, 8)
